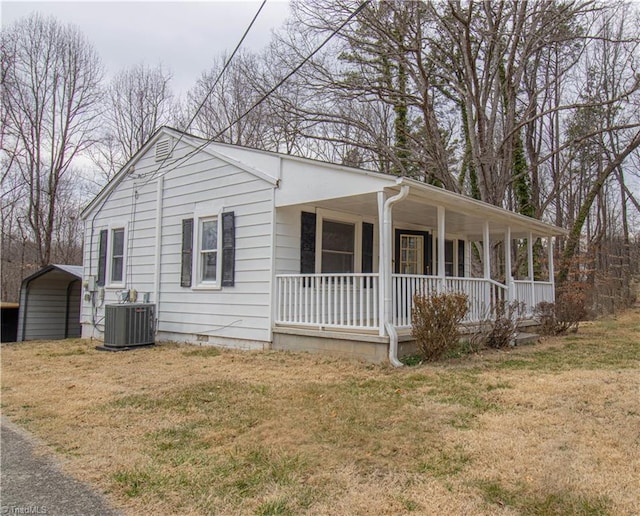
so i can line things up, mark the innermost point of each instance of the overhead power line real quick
(272, 90)
(210, 92)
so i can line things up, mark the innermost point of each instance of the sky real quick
(184, 36)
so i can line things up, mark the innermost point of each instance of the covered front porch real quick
(351, 301)
(370, 253)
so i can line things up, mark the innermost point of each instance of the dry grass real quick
(546, 429)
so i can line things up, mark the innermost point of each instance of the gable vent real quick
(163, 149)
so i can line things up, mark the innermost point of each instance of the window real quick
(453, 257)
(214, 251)
(448, 258)
(338, 246)
(208, 250)
(117, 255)
(411, 254)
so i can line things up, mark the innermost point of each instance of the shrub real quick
(563, 315)
(545, 314)
(571, 307)
(504, 328)
(435, 321)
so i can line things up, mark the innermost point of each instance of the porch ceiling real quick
(461, 218)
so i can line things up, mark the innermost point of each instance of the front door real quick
(412, 252)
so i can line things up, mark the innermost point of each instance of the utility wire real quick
(177, 142)
(210, 92)
(271, 91)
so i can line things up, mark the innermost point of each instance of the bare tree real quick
(223, 99)
(532, 106)
(606, 129)
(139, 100)
(51, 92)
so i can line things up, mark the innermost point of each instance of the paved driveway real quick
(34, 484)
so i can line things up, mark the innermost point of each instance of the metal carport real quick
(50, 303)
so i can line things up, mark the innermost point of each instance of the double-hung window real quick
(208, 251)
(112, 257)
(208, 273)
(117, 256)
(338, 246)
(335, 243)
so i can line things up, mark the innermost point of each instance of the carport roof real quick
(74, 270)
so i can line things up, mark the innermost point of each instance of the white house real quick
(253, 249)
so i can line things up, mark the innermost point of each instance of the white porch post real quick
(383, 240)
(486, 265)
(530, 268)
(441, 245)
(467, 258)
(485, 250)
(508, 279)
(551, 269)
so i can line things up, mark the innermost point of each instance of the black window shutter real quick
(367, 247)
(187, 253)
(461, 258)
(308, 243)
(428, 252)
(228, 249)
(102, 258)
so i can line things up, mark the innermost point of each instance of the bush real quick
(571, 307)
(435, 321)
(545, 314)
(504, 328)
(564, 315)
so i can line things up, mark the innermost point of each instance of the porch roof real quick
(464, 216)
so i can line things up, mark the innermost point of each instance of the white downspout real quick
(551, 271)
(386, 275)
(393, 345)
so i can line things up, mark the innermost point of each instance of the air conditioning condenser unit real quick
(129, 324)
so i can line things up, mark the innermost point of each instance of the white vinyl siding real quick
(201, 187)
(288, 240)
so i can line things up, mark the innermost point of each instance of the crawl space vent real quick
(163, 149)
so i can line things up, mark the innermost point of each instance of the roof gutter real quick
(386, 272)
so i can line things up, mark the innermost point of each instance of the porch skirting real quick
(368, 347)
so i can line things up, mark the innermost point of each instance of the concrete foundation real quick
(368, 347)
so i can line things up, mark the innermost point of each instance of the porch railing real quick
(483, 295)
(328, 300)
(350, 301)
(533, 292)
